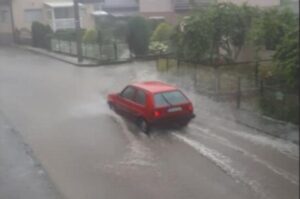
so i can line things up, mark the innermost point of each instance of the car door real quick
(139, 105)
(125, 100)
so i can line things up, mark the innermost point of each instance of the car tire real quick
(183, 125)
(112, 106)
(143, 125)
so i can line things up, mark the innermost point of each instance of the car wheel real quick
(144, 125)
(183, 125)
(112, 106)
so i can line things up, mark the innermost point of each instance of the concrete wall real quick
(154, 8)
(19, 7)
(147, 6)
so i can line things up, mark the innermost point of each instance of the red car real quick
(152, 103)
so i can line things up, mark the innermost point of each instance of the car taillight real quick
(157, 113)
(190, 107)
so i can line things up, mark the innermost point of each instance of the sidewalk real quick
(69, 59)
(268, 125)
(21, 176)
(60, 57)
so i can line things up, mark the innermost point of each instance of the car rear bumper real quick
(176, 120)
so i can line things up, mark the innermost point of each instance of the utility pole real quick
(77, 29)
(12, 21)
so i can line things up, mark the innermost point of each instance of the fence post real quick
(59, 47)
(178, 62)
(256, 73)
(167, 58)
(238, 94)
(195, 80)
(261, 88)
(217, 82)
(100, 51)
(116, 51)
(70, 46)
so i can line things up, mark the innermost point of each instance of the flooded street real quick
(90, 153)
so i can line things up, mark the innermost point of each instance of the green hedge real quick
(41, 35)
(138, 35)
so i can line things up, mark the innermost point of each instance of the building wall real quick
(21, 21)
(148, 6)
(154, 9)
(6, 36)
(259, 3)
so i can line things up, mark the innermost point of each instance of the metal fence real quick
(106, 52)
(239, 85)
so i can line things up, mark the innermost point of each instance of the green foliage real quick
(287, 58)
(270, 27)
(41, 35)
(214, 34)
(68, 34)
(162, 32)
(138, 35)
(112, 29)
(90, 36)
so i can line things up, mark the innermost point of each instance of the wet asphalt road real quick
(91, 153)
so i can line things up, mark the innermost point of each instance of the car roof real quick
(154, 86)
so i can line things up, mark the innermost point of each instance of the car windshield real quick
(169, 98)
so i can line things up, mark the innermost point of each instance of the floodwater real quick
(90, 152)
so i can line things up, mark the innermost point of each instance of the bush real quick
(270, 27)
(162, 32)
(138, 35)
(68, 34)
(90, 36)
(41, 35)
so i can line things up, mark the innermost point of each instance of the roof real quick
(61, 4)
(154, 86)
(120, 3)
(99, 13)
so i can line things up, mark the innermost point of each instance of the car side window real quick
(128, 93)
(140, 97)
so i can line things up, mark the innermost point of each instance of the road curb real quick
(24, 166)
(57, 57)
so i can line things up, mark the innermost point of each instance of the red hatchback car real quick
(152, 103)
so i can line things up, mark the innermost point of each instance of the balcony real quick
(185, 5)
(64, 24)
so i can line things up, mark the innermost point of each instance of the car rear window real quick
(169, 98)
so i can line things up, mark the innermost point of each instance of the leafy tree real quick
(271, 26)
(138, 35)
(162, 32)
(41, 35)
(214, 34)
(287, 58)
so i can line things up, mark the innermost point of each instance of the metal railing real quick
(238, 85)
(64, 23)
(106, 52)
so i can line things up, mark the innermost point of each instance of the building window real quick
(64, 13)
(32, 15)
(98, 6)
(4, 16)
